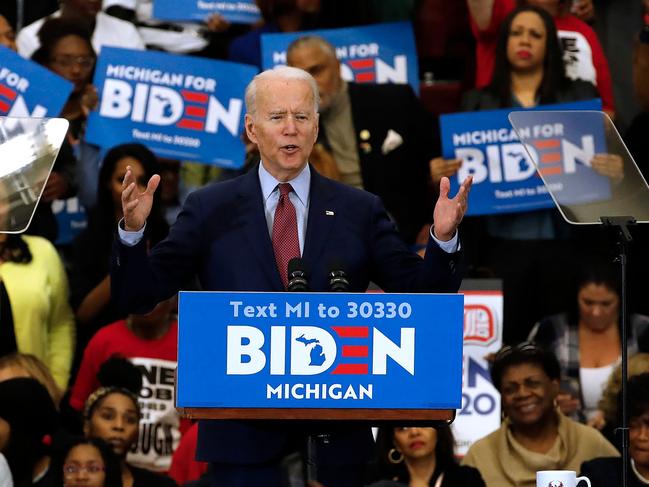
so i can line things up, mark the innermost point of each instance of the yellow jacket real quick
(43, 320)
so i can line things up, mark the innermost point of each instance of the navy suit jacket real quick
(222, 237)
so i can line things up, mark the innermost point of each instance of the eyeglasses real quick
(84, 62)
(72, 469)
(530, 348)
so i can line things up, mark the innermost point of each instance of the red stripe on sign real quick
(550, 171)
(362, 63)
(551, 157)
(352, 331)
(190, 124)
(195, 111)
(4, 107)
(7, 92)
(194, 96)
(364, 77)
(351, 369)
(355, 351)
(547, 144)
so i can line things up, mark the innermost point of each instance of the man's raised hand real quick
(449, 212)
(136, 206)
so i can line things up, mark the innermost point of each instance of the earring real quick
(391, 456)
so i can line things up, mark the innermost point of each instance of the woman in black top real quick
(418, 457)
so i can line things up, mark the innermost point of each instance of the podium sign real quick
(319, 351)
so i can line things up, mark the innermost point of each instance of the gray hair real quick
(310, 40)
(282, 73)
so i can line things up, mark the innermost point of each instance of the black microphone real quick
(337, 277)
(297, 276)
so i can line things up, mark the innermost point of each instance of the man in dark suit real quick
(380, 135)
(228, 235)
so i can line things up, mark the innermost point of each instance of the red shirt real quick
(160, 426)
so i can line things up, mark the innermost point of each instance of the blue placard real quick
(180, 107)
(381, 53)
(504, 179)
(235, 11)
(71, 219)
(28, 89)
(319, 350)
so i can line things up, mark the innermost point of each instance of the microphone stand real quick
(624, 238)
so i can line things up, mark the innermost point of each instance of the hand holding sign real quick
(440, 167)
(449, 212)
(137, 207)
(217, 23)
(609, 165)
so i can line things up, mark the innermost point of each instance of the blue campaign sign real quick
(380, 53)
(505, 180)
(71, 219)
(234, 11)
(180, 107)
(319, 350)
(28, 89)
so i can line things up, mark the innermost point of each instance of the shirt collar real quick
(300, 183)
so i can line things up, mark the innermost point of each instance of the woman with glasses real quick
(607, 472)
(534, 434)
(87, 462)
(66, 49)
(421, 456)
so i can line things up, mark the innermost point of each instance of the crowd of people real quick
(87, 356)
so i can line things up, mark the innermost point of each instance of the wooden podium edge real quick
(321, 414)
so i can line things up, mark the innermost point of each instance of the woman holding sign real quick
(66, 49)
(532, 251)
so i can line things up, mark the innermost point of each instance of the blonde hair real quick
(637, 364)
(33, 367)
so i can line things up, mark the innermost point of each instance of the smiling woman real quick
(534, 435)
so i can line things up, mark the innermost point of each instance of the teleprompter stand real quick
(608, 190)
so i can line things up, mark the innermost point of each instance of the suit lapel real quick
(322, 213)
(256, 228)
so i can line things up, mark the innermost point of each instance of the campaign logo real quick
(312, 350)
(479, 325)
(28, 89)
(173, 105)
(507, 161)
(383, 53)
(178, 106)
(12, 102)
(507, 172)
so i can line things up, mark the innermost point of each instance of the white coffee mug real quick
(559, 478)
